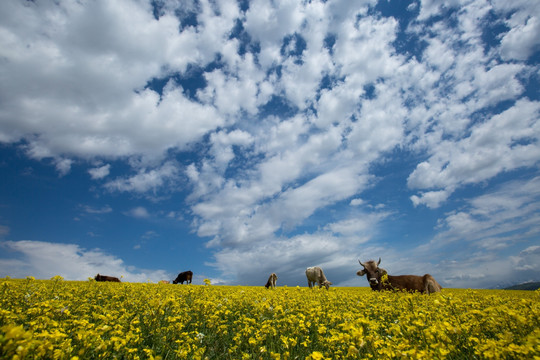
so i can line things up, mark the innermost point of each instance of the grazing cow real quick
(183, 276)
(271, 283)
(106, 278)
(424, 284)
(316, 275)
(164, 282)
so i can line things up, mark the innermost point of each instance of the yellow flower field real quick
(57, 319)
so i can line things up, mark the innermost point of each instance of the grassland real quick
(57, 319)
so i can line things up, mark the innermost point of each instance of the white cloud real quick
(63, 166)
(40, 259)
(475, 245)
(89, 99)
(146, 180)
(360, 228)
(138, 212)
(430, 8)
(432, 199)
(528, 259)
(356, 202)
(497, 219)
(522, 40)
(504, 142)
(100, 172)
(92, 210)
(269, 22)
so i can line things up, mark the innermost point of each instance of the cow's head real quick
(326, 284)
(373, 273)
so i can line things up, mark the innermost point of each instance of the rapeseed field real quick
(57, 319)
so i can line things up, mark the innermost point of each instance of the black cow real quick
(106, 278)
(184, 276)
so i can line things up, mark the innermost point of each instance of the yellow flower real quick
(353, 351)
(316, 355)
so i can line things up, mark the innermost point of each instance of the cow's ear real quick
(361, 272)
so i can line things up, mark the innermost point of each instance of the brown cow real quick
(271, 283)
(423, 284)
(184, 276)
(106, 278)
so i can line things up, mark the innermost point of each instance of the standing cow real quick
(106, 278)
(316, 275)
(424, 284)
(271, 283)
(184, 276)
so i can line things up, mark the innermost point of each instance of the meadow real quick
(57, 319)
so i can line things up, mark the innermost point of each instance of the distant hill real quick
(525, 286)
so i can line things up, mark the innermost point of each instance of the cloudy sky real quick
(236, 138)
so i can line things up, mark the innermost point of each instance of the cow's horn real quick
(379, 262)
(361, 263)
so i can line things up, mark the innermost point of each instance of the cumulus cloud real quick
(504, 142)
(100, 172)
(90, 99)
(522, 40)
(145, 180)
(63, 166)
(40, 259)
(432, 199)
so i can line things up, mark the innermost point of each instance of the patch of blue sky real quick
(329, 41)
(407, 43)
(492, 31)
(191, 80)
(294, 46)
(531, 80)
(278, 106)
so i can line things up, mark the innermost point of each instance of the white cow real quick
(316, 275)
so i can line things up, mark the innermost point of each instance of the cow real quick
(316, 275)
(164, 282)
(424, 284)
(183, 276)
(106, 278)
(271, 283)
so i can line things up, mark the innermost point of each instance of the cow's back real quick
(312, 273)
(404, 282)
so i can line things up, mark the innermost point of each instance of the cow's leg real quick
(309, 284)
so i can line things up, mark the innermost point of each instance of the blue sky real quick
(239, 138)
